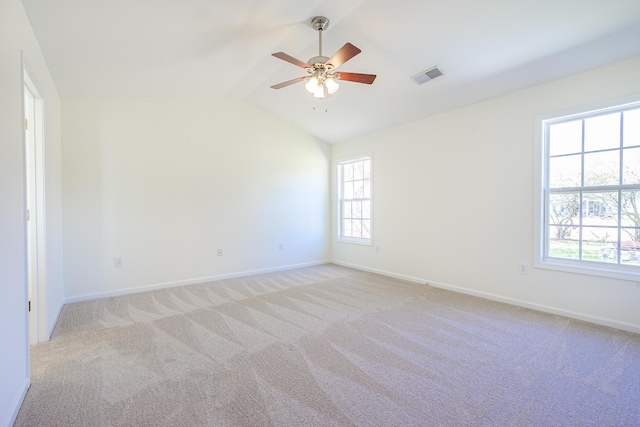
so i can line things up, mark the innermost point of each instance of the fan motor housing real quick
(317, 60)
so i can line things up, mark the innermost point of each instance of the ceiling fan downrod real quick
(320, 24)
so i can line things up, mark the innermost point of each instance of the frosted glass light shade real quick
(321, 87)
(332, 86)
(321, 91)
(311, 85)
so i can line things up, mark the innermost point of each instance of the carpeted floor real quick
(327, 346)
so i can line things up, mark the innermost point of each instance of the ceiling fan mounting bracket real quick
(320, 23)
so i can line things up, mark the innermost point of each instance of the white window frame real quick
(340, 237)
(541, 227)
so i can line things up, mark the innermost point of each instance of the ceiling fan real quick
(322, 75)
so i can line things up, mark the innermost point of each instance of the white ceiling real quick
(223, 48)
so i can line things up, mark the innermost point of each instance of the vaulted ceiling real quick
(487, 48)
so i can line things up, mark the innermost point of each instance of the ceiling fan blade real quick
(345, 53)
(357, 77)
(288, 83)
(291, 59)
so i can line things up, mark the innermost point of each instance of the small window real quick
(591, 191)
(354, 200)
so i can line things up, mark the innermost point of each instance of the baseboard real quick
(493, 297)
(153, 287)
(11, 417)
(382, 272)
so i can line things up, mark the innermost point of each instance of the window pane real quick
(348, 172)
(366, 229)
(358, 190)
(564, 209)
(630, 209)
(608, 253)
(348, 190)
(358, 170)
(631, 128)
(596, 241)
(600, 244)
(600, 208)
(631, 166)
(565, 171)
(630, 256)
(602, 168)
(631, 237)
(565, 138)
(347, 232)
(356, 209)
(567, 231)
(356, 228)
(562, 248)
(367, 169)
(602, 132)
(366, 209)
(346, 210)
(630, 246)
(367, 190)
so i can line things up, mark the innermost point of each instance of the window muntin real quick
(591, 190)
(354, 201)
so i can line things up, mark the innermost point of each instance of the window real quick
(590, 199)
(354, 200)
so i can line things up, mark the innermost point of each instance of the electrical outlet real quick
(523, 269)
(117, 262)
(220, 252)
(281, 246)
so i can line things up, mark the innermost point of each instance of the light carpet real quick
(327, 346)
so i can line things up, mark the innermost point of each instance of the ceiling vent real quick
(427, 75)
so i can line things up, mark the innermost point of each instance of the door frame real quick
(34, 155)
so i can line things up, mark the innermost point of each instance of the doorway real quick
(35, 198)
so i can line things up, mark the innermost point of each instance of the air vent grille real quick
(427, 75)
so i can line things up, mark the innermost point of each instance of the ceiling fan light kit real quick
(321, 80)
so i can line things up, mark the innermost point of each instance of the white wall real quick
(165, 182)
(16, 36)
(453, 201)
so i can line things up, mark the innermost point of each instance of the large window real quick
(354, 190)
(591, 191)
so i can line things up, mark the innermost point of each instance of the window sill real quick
(362, 242)
(600, 269)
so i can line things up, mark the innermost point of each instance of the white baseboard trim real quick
(382, 272)
(11, 417)
(153, 287)
(486, 295)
